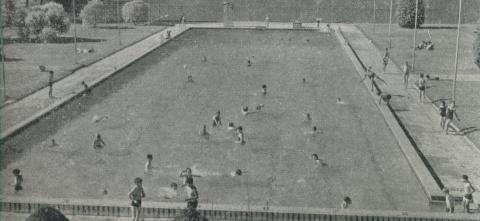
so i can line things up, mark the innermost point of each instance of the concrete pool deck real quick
(448, 156)
(28, 110)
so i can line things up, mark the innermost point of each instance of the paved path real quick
(449, 155)
(25, 111)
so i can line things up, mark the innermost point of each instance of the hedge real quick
(406, 13)
(135, 11)
(92, 12)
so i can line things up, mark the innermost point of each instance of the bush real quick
(19, 21)
(406, 13)
(48, 35)
(51, 16)
(19, 18)
(135, 11)
(47, 214)
(68, 5)
(56, 16)
(92, 12)
(35, 21)
(476, 49)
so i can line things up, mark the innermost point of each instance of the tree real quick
(19, 22)
(406, 13)
(8, 13)
(68, 5)
(92, 12)
(476, 48)
(46, 21)
(47, 214)
(35, 21)
(135, 11)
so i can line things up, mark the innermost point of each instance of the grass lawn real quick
(151, 109)
(22, 73)
(439, 62)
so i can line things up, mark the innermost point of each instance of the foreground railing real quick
(223, 212)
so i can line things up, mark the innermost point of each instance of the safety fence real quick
(224, 212)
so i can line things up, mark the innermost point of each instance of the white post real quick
(389, 26)
(4, 85)
(415, 35)
(75, 30)
(118, 23)
(456, 50)
(374, 14)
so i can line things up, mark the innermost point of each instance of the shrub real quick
(35, 21)
(51, 16)
(56, 16)
(47, 214)
(406, 13)
(48, 35)
(19, 21)
(135, 11)
(19, 18)
(476, 49)
(92, 12)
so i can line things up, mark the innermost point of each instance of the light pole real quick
(150, 14)
(374, 14)
(389, 26)
(75, 29)
(118, 23)
(415, 35)
(456, 50)
(4, 85)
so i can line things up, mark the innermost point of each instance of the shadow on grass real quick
(68, 40)
(437, 27)
(7, 59)
(113, 27)
(59, 40)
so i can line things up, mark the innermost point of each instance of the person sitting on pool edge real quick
(383, 96)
